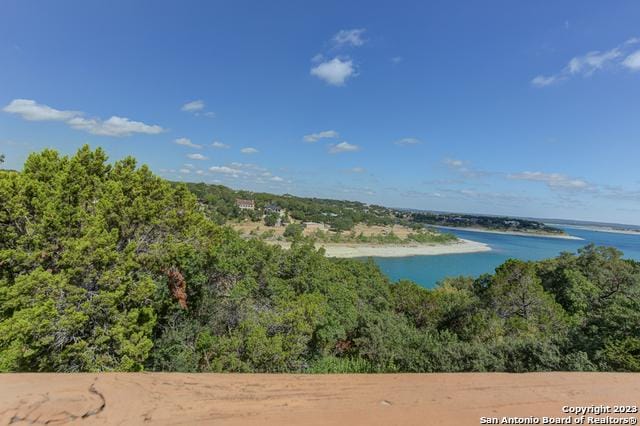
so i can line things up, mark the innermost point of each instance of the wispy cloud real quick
(632, 61)
(453, 163)
(31, 110)
(349, 37)
(219, 145)
(247, 172)
(542, 81)
(397, 59)
(197, 157)
(226, 170)
(593, 61)
(343, 147)
(114, 126)
(249, 150)
(197, 108)
(357, 170)
(193, 106)
(334, 72)
(314, 137)
(407, 141)
(555, 181)
(464, 168)
(187, 142)
(487, 196)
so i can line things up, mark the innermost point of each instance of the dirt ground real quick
(245, 228)
(252, 399)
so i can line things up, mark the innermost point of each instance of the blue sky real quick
(494, 107)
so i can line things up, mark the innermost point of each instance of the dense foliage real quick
(107, 267)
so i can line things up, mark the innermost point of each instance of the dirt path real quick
(232, 399)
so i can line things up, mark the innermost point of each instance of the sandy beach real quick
(288, 399)
(521, 234)
(392, 250)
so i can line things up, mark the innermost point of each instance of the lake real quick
(428, 270)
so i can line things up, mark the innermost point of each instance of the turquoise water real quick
(427, 270)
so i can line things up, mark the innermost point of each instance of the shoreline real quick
(600, 229)
(352, 250)
(516, 233)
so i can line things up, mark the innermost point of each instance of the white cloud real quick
(224, 170)
(187, 142)
(632, 61)
(197, 109)
(314, 137)
(185, 171)
(553, 180)
(193, 106)
(334, 72)
(219, 145)
(463, 168)
(249, 150)
(453, 163)
(343, 147)
(247, 172)
(31, 110)
(397, 59)
(189, 166)
(197, 157)
(407, 141)
(591, 62)
(542, 81)
(349, 37)
(114, 126)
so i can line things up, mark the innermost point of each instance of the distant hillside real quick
(338, 214)
(344, 215)
(498, 223)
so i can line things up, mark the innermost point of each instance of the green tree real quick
(271, 219)
(83, 248)
(293, 231)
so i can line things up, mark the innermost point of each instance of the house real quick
(245, 204)
(272, 208)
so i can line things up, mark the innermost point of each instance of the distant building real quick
(245, 204)
(313, 226)
(272, 208)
